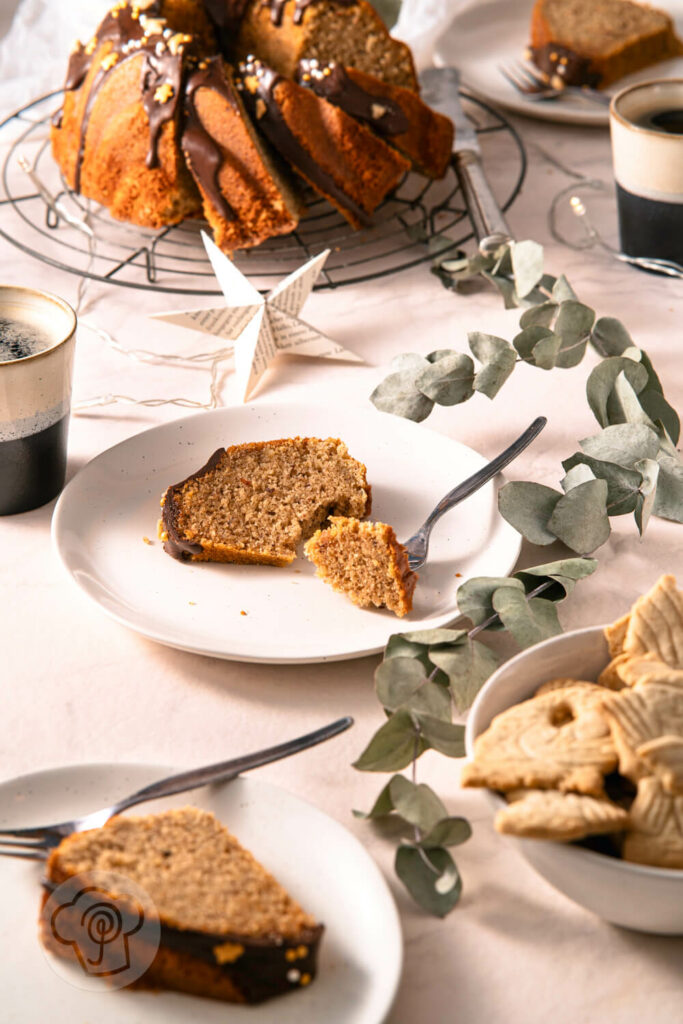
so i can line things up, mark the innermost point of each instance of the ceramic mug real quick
(37, 341)
(646, 123)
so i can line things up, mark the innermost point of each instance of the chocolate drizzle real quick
(277, 8)
(259, 97)
(160, 75)
(332, 83)
(175, 545)
(563, 66)
(202, 151)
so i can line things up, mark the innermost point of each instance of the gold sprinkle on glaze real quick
(305, 979)
(228, 952)
(302, 951)
(177, 41)
(377, 111)
(291, 955)
(109, 61)
(164, 93)
(92, 45)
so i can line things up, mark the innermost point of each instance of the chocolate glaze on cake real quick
(569, 67)
(300, 7)
(259, 99)
(175, 545)
(334, 85)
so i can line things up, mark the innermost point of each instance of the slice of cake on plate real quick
(596, 42)
(227, 930)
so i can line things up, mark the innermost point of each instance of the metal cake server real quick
(440, 91)
(35, 843)
(418, 545)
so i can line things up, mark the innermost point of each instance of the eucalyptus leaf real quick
(658, 409)
(382, 806)
(528, 507)
(669, 497)
(447, 832)
(408, 361)
(601, 382)
(580, 518)
(527, 265)
(578, 474)
(434, 636)
(398, 395)
(393, 746)
(448, 381)
(430, 877)
(526, 341)
(446, 737)
(573, 327)
(417, 804)
(474, 596)
(498, 358)
(539, 316)
(562, 290)
(623, 443)
(565, 573)
(398, 646)
(610, 337)
(431, 698)
(440, 353)
(627, 402)
(396, 680)
(649, 469)
(506, 288)
(622, 484)
(528, 621)
(467, 667)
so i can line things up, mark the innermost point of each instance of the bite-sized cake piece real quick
(596, 42)
(254, 503)
(341, 158)
(125, 84)
(246, 197)
(228, 929)
(396, 114)
(364, 561)
(283, 32)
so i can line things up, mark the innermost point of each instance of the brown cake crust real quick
(283, 33)
(585, 42)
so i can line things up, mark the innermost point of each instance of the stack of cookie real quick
(581, 759)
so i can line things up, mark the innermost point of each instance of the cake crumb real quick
(243, 612)
(146, 540)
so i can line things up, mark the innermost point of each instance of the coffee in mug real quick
(646, 123)
(37, 339)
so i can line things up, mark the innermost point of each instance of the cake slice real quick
(393, 112)
(364, 561)
(256, 502)
(596, 42)
(283, 32)
(339, 157)
(228, 929)
(247, 197)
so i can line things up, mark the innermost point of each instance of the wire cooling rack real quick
(173, 259)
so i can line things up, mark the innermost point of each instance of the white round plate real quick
(291, 616)
(494, 32)
(321, 864)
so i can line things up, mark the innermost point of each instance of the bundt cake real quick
(254, 503)
(227, 929)
(154, 125)
(596, 42)
(364, 561)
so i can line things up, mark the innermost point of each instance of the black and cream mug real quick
(37, 341)
(646, 123)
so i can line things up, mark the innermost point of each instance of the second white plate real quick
(261, 613)
(496, 32)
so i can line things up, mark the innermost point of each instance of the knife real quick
(440, 91)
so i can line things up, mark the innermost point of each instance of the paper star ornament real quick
(261, 326)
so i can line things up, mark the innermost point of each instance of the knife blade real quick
(440, 90)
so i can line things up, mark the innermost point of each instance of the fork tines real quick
(29, 849)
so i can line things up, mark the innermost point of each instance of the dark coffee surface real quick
(650, 228)
(32, 468)
(19, 339)
(668, 120)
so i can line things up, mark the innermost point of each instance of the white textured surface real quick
(78, 687)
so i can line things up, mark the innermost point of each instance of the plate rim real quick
(438, 621)
(372, 866)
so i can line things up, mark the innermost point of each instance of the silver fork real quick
(531, 84)
(35, 843)
(418, 545)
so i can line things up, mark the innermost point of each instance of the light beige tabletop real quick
(80, 688)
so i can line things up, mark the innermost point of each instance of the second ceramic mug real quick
(646, 122)
(37, 340)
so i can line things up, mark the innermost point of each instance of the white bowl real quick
(647, 899)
